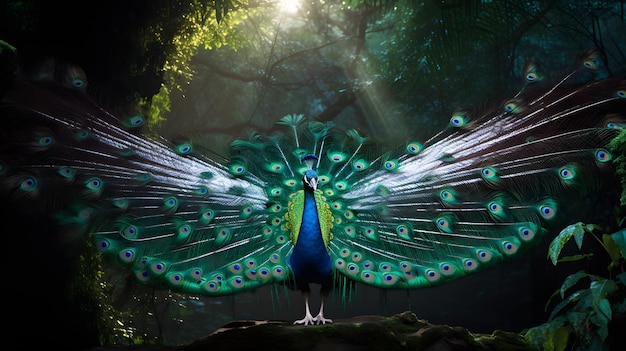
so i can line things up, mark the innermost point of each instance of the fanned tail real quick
(489, 186)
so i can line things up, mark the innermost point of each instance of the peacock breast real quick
(309, 260)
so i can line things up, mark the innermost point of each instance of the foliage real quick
(436, 50)
(618, 148)
(91, 294)
(581, 320)
(202, 26)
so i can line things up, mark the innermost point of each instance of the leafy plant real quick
(581, 320)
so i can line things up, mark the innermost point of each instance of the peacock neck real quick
(310, 260)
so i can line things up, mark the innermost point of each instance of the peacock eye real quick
(341, 185)
(158, 268)
(183, 149)
(211, 286)
(389, 279)
(414, 148)
(432, 275)
(103, 245)
(235, 268)
(170, 202)
(404, 231)
(207, 215)
(526, 233)
(28, 184)
(127, 256)
(488, 173)
(176, 279)
(469, 264)
(360, 165)
(278, 272)
(222, 235)
(603, 155)
(590, 64)
(246, 211)
(237, 282)
(78, 83)
(495, 208)
(275, 258)
(447, 195)
(129, 232)
(510, 107)
(391, 165)
(367, 276)
(547, 212)
(82, 134)
(457, 121)
(350, 231)
(275, 192)
(405, 266)
(483, 255)
(275, 167)
(264, 273)
(290, 182)
(184, 229)
(45, 141)
(324, 179)
(202, 190)
(337, 157)
(93, 183)
(509, 247)
(566, 173)
(446, 268)
(196, 273)
(352, 269)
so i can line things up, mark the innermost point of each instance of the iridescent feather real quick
(487, 188)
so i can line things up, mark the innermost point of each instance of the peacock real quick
(312, 204)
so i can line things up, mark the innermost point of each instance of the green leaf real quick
(605, 307)
(577, 229)
(575, 258)
(578, 320)
(554, 294)
(579, 233)
(613, 249)
(619, 238)
(600, 289)
(571, 280)
(561, 336)
(571, 298)
(600, 320)
(620, 307)
(542, 336)
(622, 278)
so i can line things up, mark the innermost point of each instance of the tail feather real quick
(492, 184)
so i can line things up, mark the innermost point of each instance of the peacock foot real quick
(310, 320)
(319, 319)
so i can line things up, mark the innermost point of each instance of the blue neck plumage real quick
(310, 260)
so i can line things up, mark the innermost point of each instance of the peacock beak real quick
(313, 183)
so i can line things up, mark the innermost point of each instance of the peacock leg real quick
(319, 319)
(308, 317)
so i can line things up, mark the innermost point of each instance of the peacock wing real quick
(486, 188)
(173, 217)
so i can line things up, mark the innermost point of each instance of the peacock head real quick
(310, 179)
